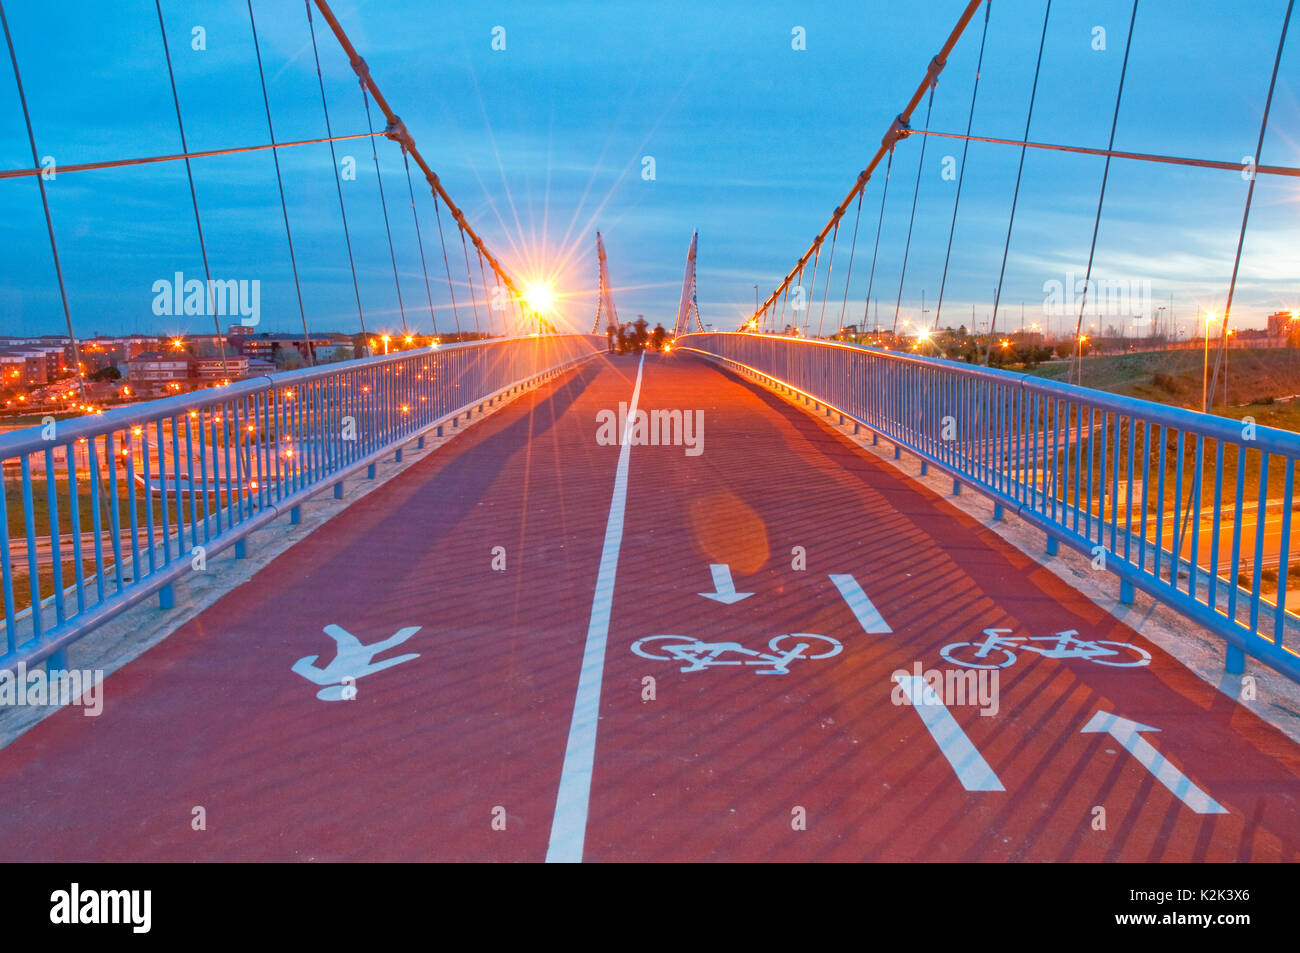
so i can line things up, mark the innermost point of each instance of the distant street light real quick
(1205, 371)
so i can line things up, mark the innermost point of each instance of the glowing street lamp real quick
(539, 300)
(1210, 318)
(539, 296)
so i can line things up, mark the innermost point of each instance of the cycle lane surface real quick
(417, 764)
(722, 762)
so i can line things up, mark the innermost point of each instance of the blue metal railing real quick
(149, 492)
(1194, 509)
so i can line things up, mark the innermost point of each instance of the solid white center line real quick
(569, 825)
(864, 610)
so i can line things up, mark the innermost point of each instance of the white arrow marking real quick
(1127, 733)
(972, 770)
(724, 589)
(868, 616)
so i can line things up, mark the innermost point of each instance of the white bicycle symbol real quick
(701, 655)
(995, 647)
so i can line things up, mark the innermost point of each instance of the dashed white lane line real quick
(868, 616)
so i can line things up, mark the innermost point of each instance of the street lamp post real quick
(1205, 370)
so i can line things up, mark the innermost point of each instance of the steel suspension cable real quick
(496, 279)
(1208, 399)
(383, 204)
(1101, 199)
(794, 308)
(469, 279)
(397, 131)
(487, 304)
(419, 240)
(334, 161)
(1245, 215)
(177, 156)
(826, 282)
(194, 200)
(446, 264)
(852, 250)
(812, 288)
(916, 191)
(965, 149)
(871, 280)
(898, 129)
(284, 207)
(45, 205)
(1015, 196)
(1284, 170)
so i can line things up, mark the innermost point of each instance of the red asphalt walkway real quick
(727, 762)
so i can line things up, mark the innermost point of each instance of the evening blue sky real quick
(542, 144)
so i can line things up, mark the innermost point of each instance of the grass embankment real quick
(1262, 384)
(1255, 378)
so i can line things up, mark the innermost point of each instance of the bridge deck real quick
(720, 762)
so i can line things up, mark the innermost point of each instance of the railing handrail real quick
(26, 440)
(1273, 439)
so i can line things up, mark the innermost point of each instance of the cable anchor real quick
(396, 130)
(899, 130)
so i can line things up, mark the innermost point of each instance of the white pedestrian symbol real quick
(352, 661)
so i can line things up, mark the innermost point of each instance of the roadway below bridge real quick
(643, 652)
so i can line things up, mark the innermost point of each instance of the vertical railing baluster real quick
(74, 518)
(130, 435)
(96, 519)
(187, 420)
(243, 481)
(33, 564)
(1116, 438)
(1284, 554)
(1194, 517)
(1128, 490)
(1160, 504)
(1176, 549)
(148, 494)
(162, 494)
(6, 567)
(1239, 498)
(56, 543)
(1261, 507)
(1217, 515)
(174, 420)
(206, 413)
(111, 459)
(1146, 495)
